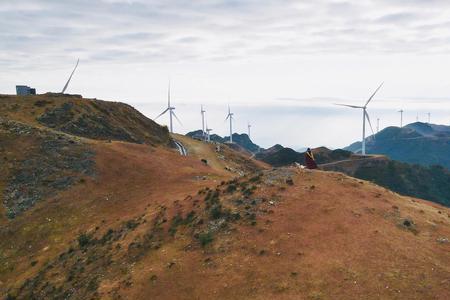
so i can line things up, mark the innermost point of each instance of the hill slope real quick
(431, 183)
(417, 143)
(282, 234)
(140, 221)
(95, 119)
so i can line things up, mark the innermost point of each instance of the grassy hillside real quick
(284, 233)
(94, 119)
(98, 216)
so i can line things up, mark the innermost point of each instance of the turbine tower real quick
(429, 118)
(365, 116)
(169, 109)
(401, 117)
(202, 112)
(248, 127)
(208, 132)
(70, 77)
(230, 117)
(378, 125)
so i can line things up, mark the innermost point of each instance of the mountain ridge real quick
(417, 143)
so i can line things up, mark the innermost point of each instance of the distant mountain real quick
(278, 155)
(430, 183)
(418, 143)
(198, 134)
(242, 140)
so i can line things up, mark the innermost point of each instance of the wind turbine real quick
(429, 118)
(169, 109)
(208, 131)
(401, 117)
(365, 116)
(378, 125)
(70, 77)
(248, 127)
(202, 112)
(230, 117)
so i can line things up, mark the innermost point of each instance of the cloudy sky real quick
(280, 64)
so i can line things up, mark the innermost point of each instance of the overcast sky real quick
(280, 64)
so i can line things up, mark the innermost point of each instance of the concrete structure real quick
(23, 90)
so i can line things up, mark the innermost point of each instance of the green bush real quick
(205, 238)
(84, 240)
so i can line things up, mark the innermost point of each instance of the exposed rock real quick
(56, 163)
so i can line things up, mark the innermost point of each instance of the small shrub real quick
(231, 188)
(92, 285)
(107, 236)
(247, 192)
(256, 178)
(189, 218)
(205, 238)
(216, 211)
(132, 224)
(84, 240)
(10, 297)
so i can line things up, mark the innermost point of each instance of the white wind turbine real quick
(202, 112)
(365, 116)
(401, 111)
(248, 127)
(169, 109)
(70, 77)
(230, 117)
(208, 132)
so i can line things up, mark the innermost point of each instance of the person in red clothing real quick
(309, 160)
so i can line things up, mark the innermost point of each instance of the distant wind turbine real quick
(202, 112)
(169, 109)
(248, 127)
(401, 111)
(208, 132)
(365, 116)
(230, 117)
(429, 118)
(70, 77)
(378, 125)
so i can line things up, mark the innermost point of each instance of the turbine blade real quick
(177, 118)
(161, 114)
(368, 119)
(227, 117)
(70, 77)
(374, 94)
(168, 95)
(352, 106)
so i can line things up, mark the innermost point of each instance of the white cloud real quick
(238, 51)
